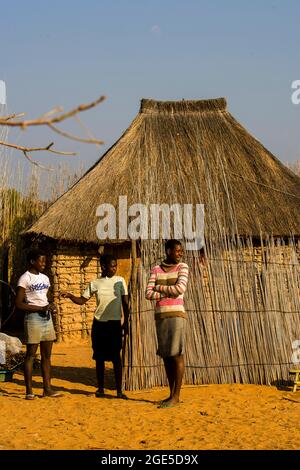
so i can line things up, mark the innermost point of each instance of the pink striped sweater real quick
(168, 289)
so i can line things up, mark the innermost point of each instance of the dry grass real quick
(21, 204)
(25, 192)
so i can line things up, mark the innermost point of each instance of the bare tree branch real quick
(36, 149)
(43, 121)
(47, 120)
(86, 129)
(74, 137)
(58, 109)
(12, 116)
(48, 168)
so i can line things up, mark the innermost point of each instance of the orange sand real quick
(210, 417)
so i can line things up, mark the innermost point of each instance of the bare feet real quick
(164, 400)
(170, 403)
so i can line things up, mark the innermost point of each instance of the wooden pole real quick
(56, 299)
(129, 350)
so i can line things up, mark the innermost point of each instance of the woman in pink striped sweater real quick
(167, 285)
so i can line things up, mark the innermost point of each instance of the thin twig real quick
(86, 129)
(62, 117)
(45, 120)
(12, 116)
(36, 163)
(74, 137)
(58, 109)
(36, 149)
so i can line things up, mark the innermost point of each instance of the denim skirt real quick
(38, 328)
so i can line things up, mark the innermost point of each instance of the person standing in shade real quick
(167, 285)
(31, 297)
(111, 295)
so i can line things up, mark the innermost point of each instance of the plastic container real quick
(6, 375)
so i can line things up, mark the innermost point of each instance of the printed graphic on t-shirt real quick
(40, 286)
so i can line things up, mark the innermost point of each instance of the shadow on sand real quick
(283, 385)
(78, 375)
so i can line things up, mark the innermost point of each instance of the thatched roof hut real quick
(177, 149)
(243, 305)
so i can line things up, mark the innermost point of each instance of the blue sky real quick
(68, 52)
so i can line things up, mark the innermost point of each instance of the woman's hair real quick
(34, 254)
(105, 260)
(172, 243)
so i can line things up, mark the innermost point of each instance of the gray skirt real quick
(38, 329)
(170, 336)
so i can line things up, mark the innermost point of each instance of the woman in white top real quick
(32, 291)
(111, 296)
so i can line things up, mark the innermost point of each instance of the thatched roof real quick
(183, 151)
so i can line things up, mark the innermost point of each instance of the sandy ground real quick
(209, 417)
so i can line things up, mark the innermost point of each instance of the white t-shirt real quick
(36, 287)
(109, 291)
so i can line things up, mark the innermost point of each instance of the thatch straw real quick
(243, 316)
(178, 144)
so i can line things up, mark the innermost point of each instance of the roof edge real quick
(149, 106)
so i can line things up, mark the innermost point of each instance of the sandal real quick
(30, 396)
(53, 395)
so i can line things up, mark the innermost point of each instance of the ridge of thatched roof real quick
(185, 152)
(184, 106)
